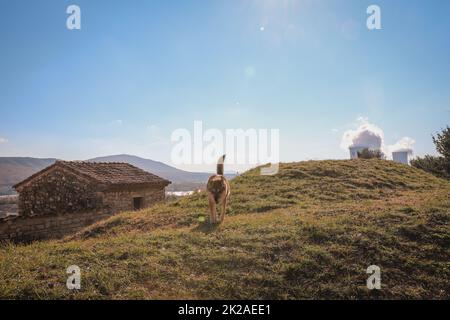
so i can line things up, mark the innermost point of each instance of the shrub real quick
(370, 154)
(434, 165)
(439, 166)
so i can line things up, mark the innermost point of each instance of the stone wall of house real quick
(59, 191)
(59, 202)
(8, 205)
(23, 228)
(122, 200)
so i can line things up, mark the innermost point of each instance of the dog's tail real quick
(220, 165)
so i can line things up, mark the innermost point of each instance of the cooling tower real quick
(401, 156)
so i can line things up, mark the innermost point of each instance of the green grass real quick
(310, 232)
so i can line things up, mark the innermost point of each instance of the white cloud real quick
(3, 140)
(404, 144)
(371, 136)
(366, 135)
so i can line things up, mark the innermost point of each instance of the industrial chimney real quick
(401, 156)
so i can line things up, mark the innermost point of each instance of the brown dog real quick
(218, 192)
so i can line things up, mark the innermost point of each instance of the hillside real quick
(309, 232)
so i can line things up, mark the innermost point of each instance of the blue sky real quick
(138, 70)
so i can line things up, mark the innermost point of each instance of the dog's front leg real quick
(212, 209)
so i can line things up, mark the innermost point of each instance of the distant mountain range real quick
(16, 169)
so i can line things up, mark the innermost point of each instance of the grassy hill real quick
(309, 232)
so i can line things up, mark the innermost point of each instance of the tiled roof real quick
(109, 173)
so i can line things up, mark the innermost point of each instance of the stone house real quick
(75, 186)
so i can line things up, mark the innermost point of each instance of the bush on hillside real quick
(440, 165)
(433, 165)
(442, 143)
(370, 154)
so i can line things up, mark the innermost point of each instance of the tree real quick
(433, 165)
(370, 154)
(438, 166)
(442, 143)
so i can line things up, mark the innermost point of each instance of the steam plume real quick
(367, 135)
(405, 144)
